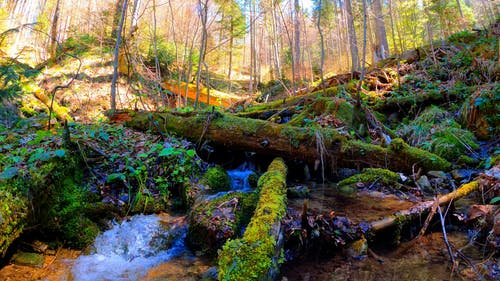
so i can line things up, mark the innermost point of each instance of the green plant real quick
(217, 178)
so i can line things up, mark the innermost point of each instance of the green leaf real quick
(60, 153)
(114, 177)
(191, 153)
(103, 136)
(8, 173)
(167, 151)
(495, 200)
(143, 155)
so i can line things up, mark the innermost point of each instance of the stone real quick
(462, 174)
(299, 191)
(424, 183)
(28, 259)
(437, 174)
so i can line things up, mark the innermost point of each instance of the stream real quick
(151, 247)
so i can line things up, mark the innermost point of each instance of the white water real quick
(130, 249)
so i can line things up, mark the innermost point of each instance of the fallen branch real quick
(425, 207)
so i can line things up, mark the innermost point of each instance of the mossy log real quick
(424, 207)
(13, 217)
(257, 255)
(287, 141)
(60, 112)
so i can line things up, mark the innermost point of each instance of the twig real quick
(445, 238)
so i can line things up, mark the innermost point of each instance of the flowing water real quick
(128, 250)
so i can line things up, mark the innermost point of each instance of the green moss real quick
(29, 259)
(436, 131)
(370, 175)
(217, 178)
(13, 215)
(256, 254)
(80, 231)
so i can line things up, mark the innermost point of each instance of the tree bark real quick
(53, 33)
(203, 10)
(284, 140)
(352, 37)
(381, 50)
(116, 55)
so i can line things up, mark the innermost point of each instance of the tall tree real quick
(296, 27)
(352, 37)
(203, 14)
(53, 32)
(116, 55)
(381, 48)
(318, 13)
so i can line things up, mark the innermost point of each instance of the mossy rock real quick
(217, 178)
(212, 223)
(481, 112)
(28, 259)
(371, 175)
(13, 217)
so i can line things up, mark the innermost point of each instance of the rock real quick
(299, 191)
(344, 173)
(210, 274)
(437, 174)
(424, 183)
(29, 259)
(462, 174)
(358, 249)
(493, 172)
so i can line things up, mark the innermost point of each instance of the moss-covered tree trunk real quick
(308, 144)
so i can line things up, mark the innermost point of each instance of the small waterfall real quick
(239, 177)
(239, 180)
(128, 250)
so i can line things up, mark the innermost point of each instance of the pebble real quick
(437, 174)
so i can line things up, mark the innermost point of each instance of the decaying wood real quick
(287, 141)
(217, 98)
(425, 207)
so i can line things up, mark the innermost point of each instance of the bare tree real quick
(116, 55)
(352, 37)
(53, 33)
(203, 13)
(381, 47)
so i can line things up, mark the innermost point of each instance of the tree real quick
(116, 55)
(318, 9)
(381, 48)
(53, 33)
(352, 37)
(203, 13)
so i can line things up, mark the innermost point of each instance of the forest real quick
(249, 140)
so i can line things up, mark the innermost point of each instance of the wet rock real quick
(493, 172)
(424, 183)
(437, 174)
(210, 274)
(29, 259)
(299, 191)
(345, 173)
(462, 174)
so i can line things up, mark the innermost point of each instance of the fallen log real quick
(212, 97)
(257, 255)
(313, 145)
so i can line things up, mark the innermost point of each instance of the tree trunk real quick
(287, 141)
(116, 55)
(53, 33)
(352, 37)
(322, 60)
(116, 18)
(381, 50)
(297, 61)
(203, 10)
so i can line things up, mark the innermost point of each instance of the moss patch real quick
(370, 175)
(217, 178)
